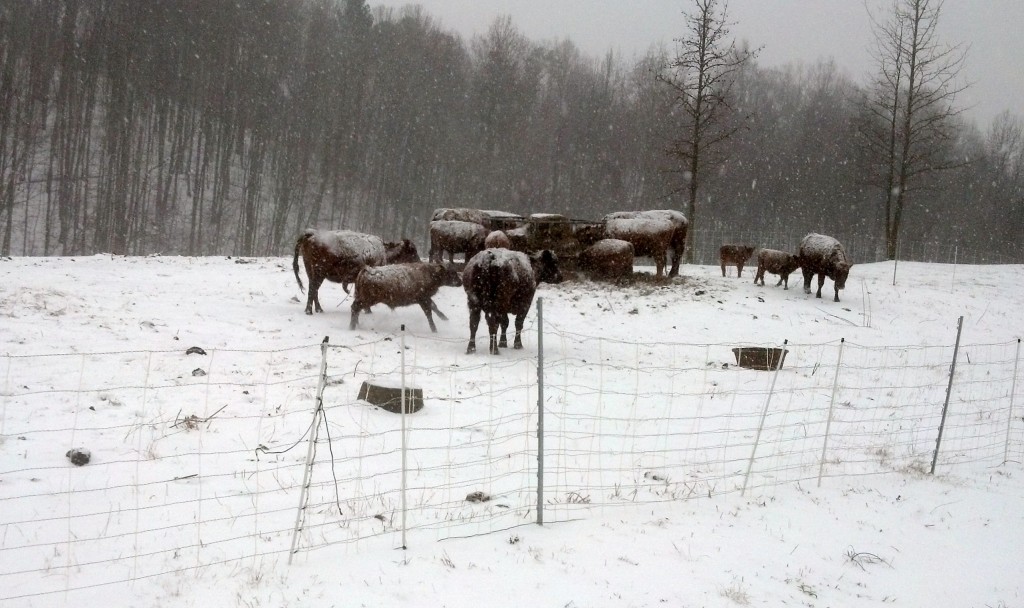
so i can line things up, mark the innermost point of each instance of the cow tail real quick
(295, 259)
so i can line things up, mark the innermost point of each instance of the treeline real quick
(227, 126)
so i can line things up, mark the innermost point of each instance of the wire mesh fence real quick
(199, 460)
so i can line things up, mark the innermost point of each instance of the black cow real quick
(824, 256)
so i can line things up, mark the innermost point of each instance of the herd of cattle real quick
(507, 256)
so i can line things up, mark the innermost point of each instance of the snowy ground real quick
(903, 538)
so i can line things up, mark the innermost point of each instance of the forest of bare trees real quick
(228, 126)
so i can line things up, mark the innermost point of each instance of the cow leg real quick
(808, 275)
(356, 307)
(783, 278)
(437, 311)
(739, 270)
(837, 295)
(677, 255)
(723, 268)
(503, 343)
(313, 300)
(759, 275)
(493, 321)
(659, 265)
(821, 283)
(474, 322)
(520, 319)
(425, 305)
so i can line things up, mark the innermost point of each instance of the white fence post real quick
(313, 431)
(831, 408)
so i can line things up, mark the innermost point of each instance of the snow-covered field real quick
(649, 424)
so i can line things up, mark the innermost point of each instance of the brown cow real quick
(650, 237)
(499, 282)
(734, 254)
(402, 285)
(679, 224)
(339, 256)
(455, 236)
(825, 256)
(775, 262)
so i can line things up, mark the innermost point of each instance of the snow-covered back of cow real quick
(679, 227)
(649, 236)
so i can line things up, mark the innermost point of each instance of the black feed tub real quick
(759, 357)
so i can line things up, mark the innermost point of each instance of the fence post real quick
(949, 389)
(831, 408)
(1009, 417)
(314, 429)
(760, 426)
(540, 411)
(405, 467)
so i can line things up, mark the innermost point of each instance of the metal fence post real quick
(540, 411)
(949, 389)
(313, 431)
(760, 426)
(1009, 417)
(831, 408)
(404, 446)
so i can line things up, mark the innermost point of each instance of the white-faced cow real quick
(339, 256)
(402, 285)
(499, 282)
(775, 262)
(823, 255)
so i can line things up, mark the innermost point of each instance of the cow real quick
(461, 214)
(499, 282)
(607, 259)
(679, 224)
(497, 239)
(402, 285)
(734, 255)
(339, 256)
(775, 262)
(823, 255)
(650, 237)
(455, 236)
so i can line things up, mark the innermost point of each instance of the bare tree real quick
(908, 114)
(702, 76)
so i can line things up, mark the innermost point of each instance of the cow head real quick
(842, 271)
(401, 252)
(545, 267)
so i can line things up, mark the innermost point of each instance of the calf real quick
(607, 259)
(402, 285)
(734, 254)
(455, 236)
(775, 262)
(499, 282)
(497, 239)
(823, 255)
(339, 256)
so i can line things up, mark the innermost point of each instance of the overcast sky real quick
(789, 30)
